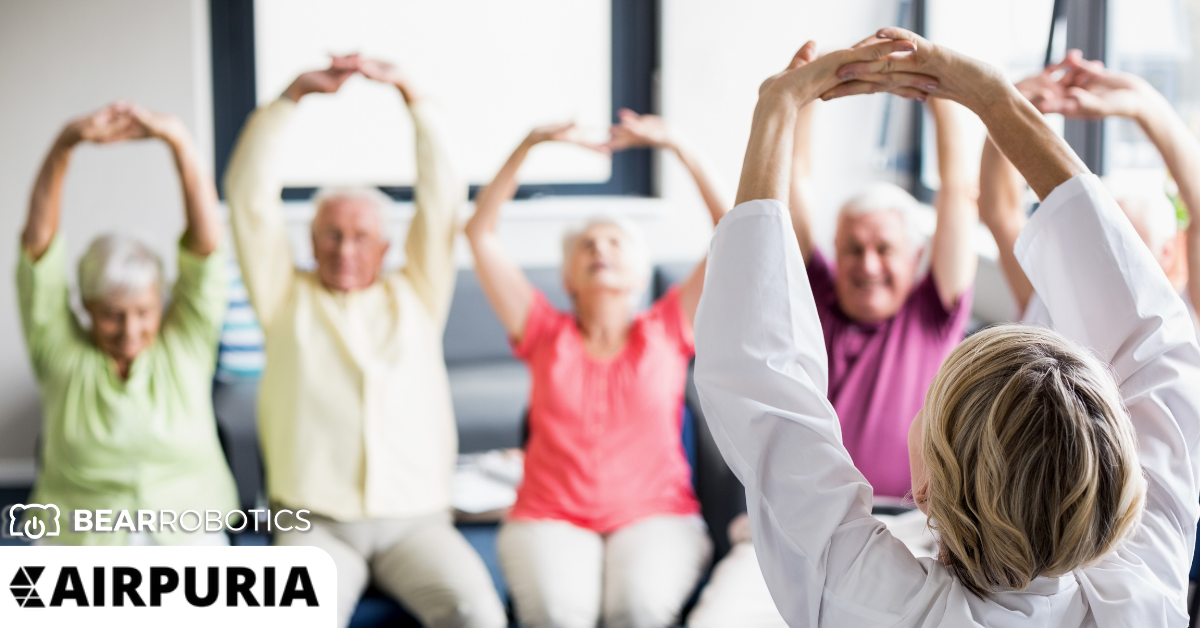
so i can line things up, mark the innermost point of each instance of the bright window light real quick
(494, 69)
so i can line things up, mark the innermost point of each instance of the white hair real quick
(373, 196)
(639, 253)
(882, 196)
(1151, 205)
(116, 265)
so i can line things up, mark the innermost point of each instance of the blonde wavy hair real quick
(1031, 459)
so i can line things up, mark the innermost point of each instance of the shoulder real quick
(665, 319)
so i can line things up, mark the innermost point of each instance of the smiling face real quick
(125, 325)
(348, 243)
(602, 258)
(875, 265)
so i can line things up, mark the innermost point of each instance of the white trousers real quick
(737, 595)
(563, 576)
(423, 562)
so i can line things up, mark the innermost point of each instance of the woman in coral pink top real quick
(606, 525)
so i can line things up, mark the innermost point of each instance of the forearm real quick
(766, 169)
(45, 203)
(1000, 208)
(1035, 150)
(712, 199)
(954, 259)
(800, 197)
(203, 234)
(1179, 149)
(501, 190)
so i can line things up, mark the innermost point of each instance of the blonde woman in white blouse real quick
(1058, 470)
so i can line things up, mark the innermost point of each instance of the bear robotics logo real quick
(22, 587)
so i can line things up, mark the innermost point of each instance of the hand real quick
(325, 81)
(385, 72)
(810, 75)
(163, 126)
(110, 124)
(1093, 91)
(562, 132)
(636, 131)
(959, 78)
(1046, 90)
(382, 71)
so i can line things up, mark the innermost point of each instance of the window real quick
(549, 61)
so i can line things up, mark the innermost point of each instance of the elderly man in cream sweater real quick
(354, 405)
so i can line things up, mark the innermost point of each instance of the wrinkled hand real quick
(325, 81)
(957, 77)
(563, 132)
(1093, 91)
(810, 76)
(638, 131)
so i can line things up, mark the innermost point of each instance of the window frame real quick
(635, 66)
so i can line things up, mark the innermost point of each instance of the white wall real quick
(58, 59)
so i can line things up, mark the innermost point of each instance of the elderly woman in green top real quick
(128, 419)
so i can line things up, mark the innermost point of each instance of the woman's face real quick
(916, 464)
(124, 326)
(600, 259)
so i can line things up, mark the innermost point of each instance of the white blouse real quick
(761, 371)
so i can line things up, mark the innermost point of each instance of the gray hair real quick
(882, 196)
(1156, 210)
(116, 264)
(373, 196)
(639, 253)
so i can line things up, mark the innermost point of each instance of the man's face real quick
(875, 265)
(124, 326)
(348, 243)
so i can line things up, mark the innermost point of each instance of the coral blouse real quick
(605, 447)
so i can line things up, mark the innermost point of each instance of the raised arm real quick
(110, 124)
(800, 197)
(429, 246)
(953, 259)
(1096, 92)
(1000, 208)
(1001, 188)
(650, 131)
(202, 235)
(1122, 306)
(761, 370)
(1014, 124)
(52, 335)
(252, 190)
(503, 282)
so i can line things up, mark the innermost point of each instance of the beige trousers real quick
(423, 562)
(563, 576)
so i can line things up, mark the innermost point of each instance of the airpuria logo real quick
(22, 587)
(40, 524)
(242, 586)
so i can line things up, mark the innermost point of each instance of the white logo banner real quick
(176, 586)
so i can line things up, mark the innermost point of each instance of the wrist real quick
(294, 92)
(407, 93)
(1150, 108)
(68, 138)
